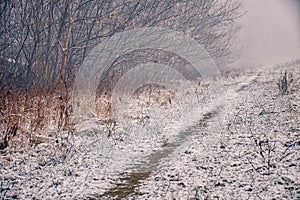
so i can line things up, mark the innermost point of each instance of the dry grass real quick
(28, 117)
(147, 96)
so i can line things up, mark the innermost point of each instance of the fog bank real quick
(270, 33)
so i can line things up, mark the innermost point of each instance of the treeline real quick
(44, 42)
(290, 63)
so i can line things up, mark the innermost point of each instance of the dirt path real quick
(249, 161)
(256, 154)
(129, 183)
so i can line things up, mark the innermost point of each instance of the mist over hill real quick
(270, 32)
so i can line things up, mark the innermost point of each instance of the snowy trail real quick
(95, 163)
(174, 163)
(141, 171)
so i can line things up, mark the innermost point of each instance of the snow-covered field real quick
(162, 150)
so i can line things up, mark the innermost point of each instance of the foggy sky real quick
(271, 32)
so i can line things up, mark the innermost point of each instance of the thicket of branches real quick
(44, 42)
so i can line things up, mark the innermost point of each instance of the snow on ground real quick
(256, 156)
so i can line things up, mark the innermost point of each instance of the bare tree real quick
(51, 38)
(43, 43)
